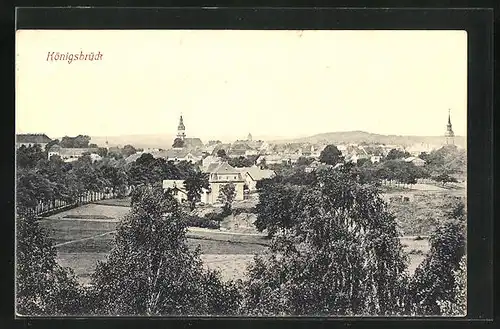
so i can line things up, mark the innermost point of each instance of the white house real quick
(375, 158)
(219, 176)
(177, 189)
(253, 174)
(209, 160)
(32, 139)
(72, 154)
(416, 161)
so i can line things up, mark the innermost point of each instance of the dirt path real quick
(83, 239)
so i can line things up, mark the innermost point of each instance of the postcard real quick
(241, 173)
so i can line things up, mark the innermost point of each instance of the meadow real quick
(85, 235)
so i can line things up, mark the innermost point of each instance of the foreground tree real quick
(339, 255)
(226, 196)
(151, 271)
(434, 280)
(457, 304)
(42, 286)
(194, 184)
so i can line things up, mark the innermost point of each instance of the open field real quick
(422, 211)
(125, 202)
(81, 242)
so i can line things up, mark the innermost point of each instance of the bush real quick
(203, 222)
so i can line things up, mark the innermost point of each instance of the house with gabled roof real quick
(253, 174)
(32, 139)
(176, 188)
(220, 175)
(416, 161)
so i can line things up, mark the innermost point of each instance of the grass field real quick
(423, 211)
(82, 242)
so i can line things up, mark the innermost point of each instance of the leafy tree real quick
(263, 164)
(51, 143)
(434, 280)
(42, 286)
(140, 172)
(102, 151)
(56, 171)
(276, 206)
(303, 161)
(80, 141)
(363, 161)
(31, 188)
(330, 155)
(194, 184)
(444, 178)
(178, 143)
(93, 146)
(128, 150)
(89, 176)
(457, 304)
(151, 270)
(339, 256)
(396, 154)
(226, 196)
(117, 179)
(222, 154)
(28, 157)
(240, 162)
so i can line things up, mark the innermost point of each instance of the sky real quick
(229, 83)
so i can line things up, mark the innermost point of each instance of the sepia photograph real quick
(248, 173)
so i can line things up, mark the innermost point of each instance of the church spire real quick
(181, 129)
(449, 135)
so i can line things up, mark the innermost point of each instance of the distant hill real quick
(138, 141)
(358, 137)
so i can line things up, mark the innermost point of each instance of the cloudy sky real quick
(230, 83)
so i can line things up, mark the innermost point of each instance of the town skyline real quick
(269, 83)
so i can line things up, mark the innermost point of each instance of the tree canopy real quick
(330, 155)
(151, 270)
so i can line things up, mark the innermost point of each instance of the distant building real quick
(271, 159)
(181, 129)
(416, 161)
(209, 160)
(178, 155)
(375, 158)
(449, 135)
(32, 139)
(253, 174)
(189, 143)
(72, 154)
(249, 137)
(177, 189)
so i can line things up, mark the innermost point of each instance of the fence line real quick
(45, 208)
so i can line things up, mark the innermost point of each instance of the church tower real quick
(449, 134)
(249, 137)
(181, 130)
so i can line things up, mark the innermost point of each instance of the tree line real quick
(334, 250)
(39, 179)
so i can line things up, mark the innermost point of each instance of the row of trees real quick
(334, 251)
(39, 179)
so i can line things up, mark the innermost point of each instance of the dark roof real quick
(225, 168)
(32, 138)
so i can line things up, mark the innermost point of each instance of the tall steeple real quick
(181, 129)
(449, 134)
